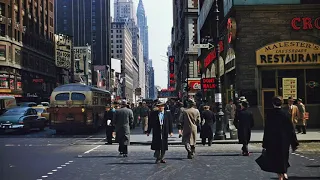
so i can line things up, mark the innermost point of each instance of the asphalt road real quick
(41, 155)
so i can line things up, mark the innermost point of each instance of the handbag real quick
(264, 162)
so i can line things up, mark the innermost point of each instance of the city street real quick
(41, 155)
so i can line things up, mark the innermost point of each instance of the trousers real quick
(159, 154)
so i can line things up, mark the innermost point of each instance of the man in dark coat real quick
(108, 117)
(278, 135)
(207, 121)
(244, 123)
(160, 123)
(123, 119)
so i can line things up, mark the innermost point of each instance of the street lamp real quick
(219, 134)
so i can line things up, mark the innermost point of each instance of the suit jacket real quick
(122, 120)
(160, 135)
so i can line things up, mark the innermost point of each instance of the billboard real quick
(63, 44)
(82, 60)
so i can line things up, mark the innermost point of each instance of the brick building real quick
(268, 50)
(27, 64)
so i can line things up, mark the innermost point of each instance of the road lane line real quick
(59, 167)
(54, 170)
(49, 173)
(92, 149)
(44, 176)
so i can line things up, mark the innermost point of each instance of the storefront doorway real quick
(267, 95)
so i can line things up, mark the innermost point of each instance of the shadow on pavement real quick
(301, 178)
(219, 154)
(175, 159)
(97, 157)
(130, 163)
(314, 166)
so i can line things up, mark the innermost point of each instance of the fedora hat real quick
(159, 103)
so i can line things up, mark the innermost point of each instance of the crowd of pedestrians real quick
(160, 118)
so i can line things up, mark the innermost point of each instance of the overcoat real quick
(244, 123)
(189, 120)
(122, 120)
(279, 134)
(207, 120)
(159, 136)
(294, 113)
(301, 115)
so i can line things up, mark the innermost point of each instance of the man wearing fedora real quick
(189, 122)
(122, 120)
(160, 123)
(301, 125)
(293, 111)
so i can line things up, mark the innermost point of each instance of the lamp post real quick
(219, 134)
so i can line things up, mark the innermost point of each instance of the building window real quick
(50, 7)
(51, 21)
(93, 28)
(2, 9)
(313, 86)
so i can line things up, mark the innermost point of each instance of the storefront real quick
(36, 87)
(274, 55)
(10, 82)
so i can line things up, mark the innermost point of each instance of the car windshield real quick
(15, 111)
(39, 110)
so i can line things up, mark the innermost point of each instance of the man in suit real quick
(293, 111)
(160, 123)
(244, 123)
(123, 119)
(302, 122)
(189, 122)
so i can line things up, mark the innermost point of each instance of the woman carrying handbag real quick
(279, 135)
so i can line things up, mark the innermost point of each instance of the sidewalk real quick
(313, 135)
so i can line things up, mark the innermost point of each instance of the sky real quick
(160, 18)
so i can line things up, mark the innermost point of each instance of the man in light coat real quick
(189, 121)
(123, 119)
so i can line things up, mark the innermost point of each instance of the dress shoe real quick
(157, 161)
(163, 161)
(125, 155)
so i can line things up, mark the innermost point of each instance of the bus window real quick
(78, 97)
(62, 97)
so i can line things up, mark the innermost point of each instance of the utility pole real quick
(219, 134)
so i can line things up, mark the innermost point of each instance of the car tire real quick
(26, 129)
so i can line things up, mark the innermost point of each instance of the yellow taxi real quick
(42, 112)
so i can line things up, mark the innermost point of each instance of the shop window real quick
(313, 86)
(4, 83)
(292, 73)
(268, 79)
(19, 85)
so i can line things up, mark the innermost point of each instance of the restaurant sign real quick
(288, 53)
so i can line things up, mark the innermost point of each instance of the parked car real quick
(27, 104)
(42, 112)
(22, 118)
(45, 104)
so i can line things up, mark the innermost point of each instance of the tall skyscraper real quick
(88, 22)
(151, 83)
(143, 30)
(121, 48)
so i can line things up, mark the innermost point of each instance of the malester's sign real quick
(288, 53)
